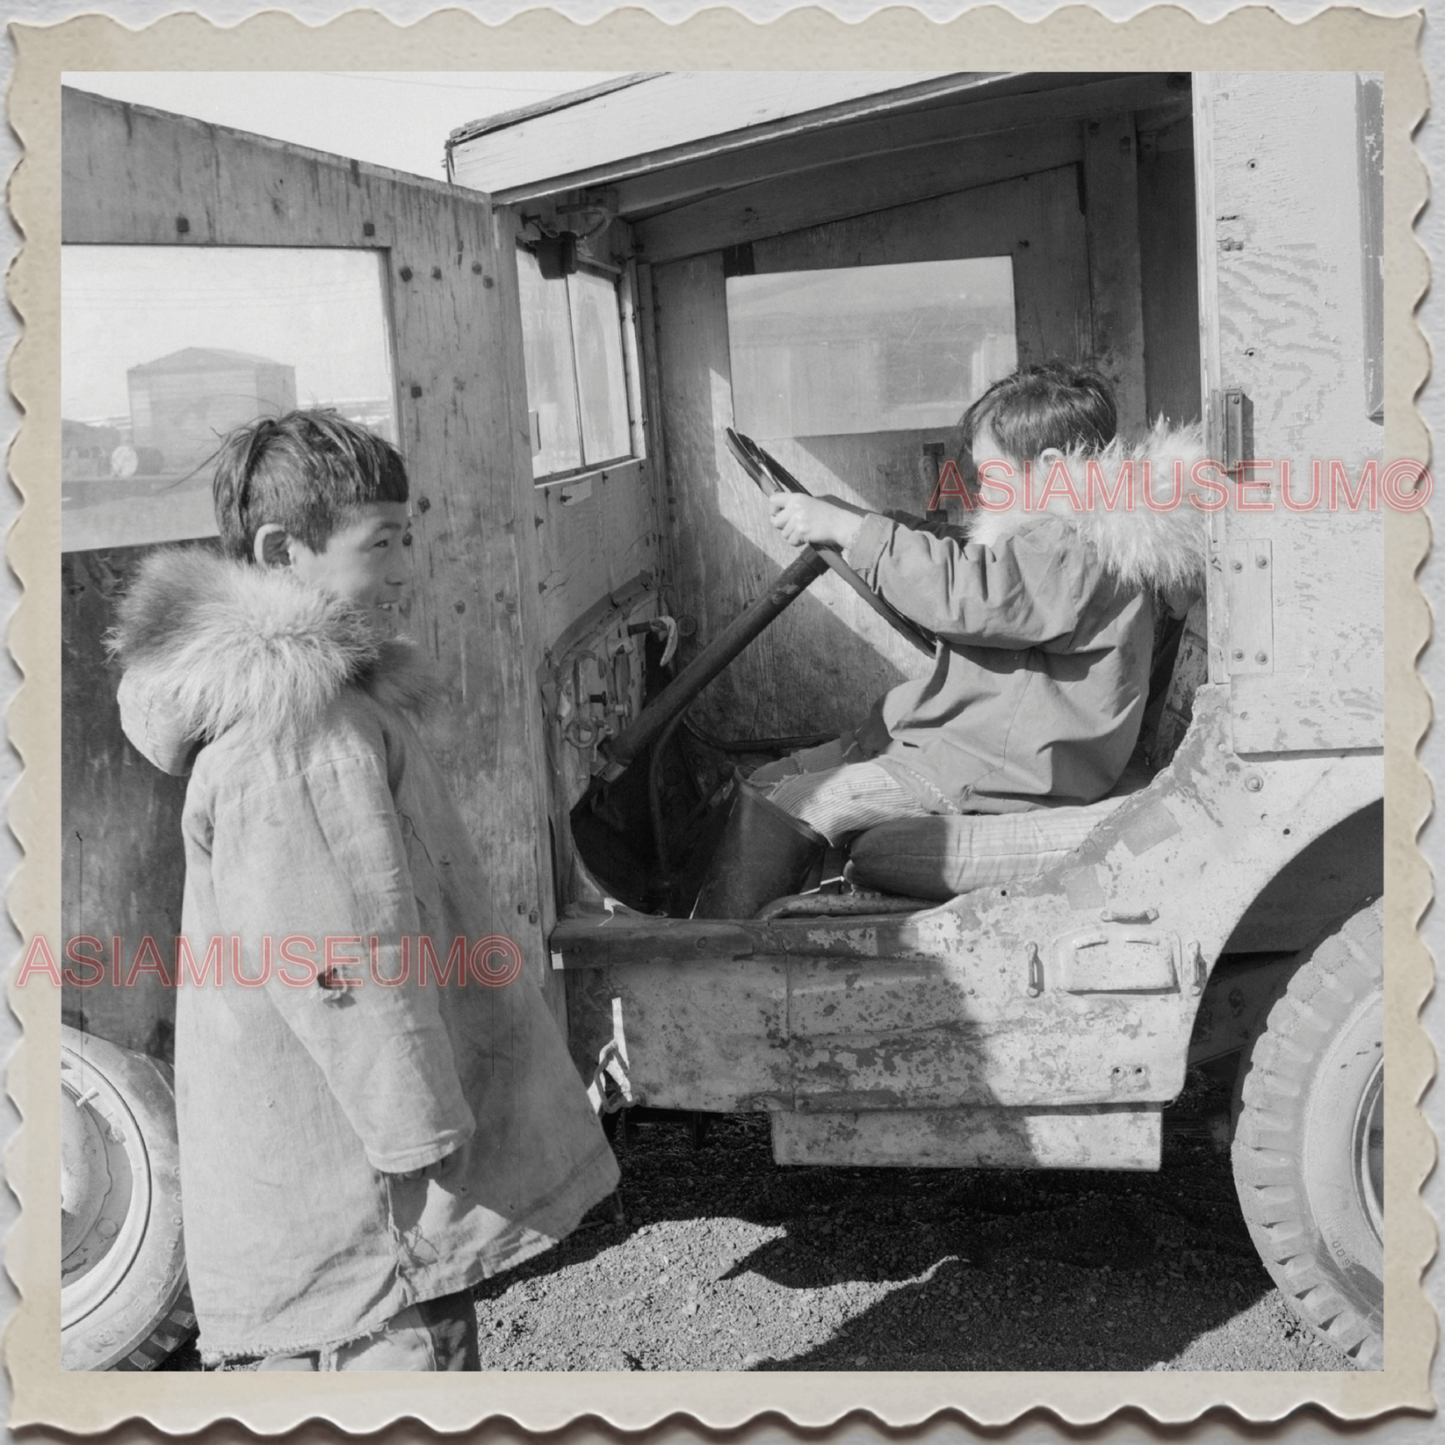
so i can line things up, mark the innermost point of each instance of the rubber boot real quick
(764, 853)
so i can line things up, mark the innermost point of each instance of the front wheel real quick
(1308, 1153)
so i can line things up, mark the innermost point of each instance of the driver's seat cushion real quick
(945, 854)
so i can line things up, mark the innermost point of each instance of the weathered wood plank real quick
(300, 197)
(593, 534)
(677, 114)
(716, 563)
(1115, 284)
(987, 113)
(832, 192)
(1206, 207)
(808, 671)
(655, 445)
(628, 309)
(472, 129)
(511, 381)
(1168, 273)
(130, 173)
(122, 859)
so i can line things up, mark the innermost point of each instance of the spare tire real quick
(1309, 1139)
(123, 1299)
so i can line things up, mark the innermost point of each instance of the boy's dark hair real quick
(1049, 404)
(304, 471)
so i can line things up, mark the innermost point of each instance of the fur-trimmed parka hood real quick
(209, 645)
(1159, 541)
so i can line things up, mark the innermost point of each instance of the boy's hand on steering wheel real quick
(829, 521)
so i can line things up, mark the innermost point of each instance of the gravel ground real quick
(725, 1261)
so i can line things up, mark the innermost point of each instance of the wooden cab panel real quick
(1289, 259)
(138, 177)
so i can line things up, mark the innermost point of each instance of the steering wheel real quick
(772, 476)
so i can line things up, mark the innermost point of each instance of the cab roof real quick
(712, 130)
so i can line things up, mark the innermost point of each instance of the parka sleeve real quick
(1030, 589)
(319, 855)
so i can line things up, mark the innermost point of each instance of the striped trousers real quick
(837, 797)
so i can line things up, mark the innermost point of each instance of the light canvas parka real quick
(1045, 624)
(313, 809)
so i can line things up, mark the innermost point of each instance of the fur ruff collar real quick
(1143, 546)
(212, 644)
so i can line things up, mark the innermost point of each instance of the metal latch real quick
(1036, 971)
(1237, 425)
(611, 1088)
(1198, 969)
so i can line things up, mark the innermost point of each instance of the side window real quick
(578, 386)
(164, 349)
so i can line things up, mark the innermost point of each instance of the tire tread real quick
(1335, 976)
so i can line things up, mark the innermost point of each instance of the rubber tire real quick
(144, 1313)
(1303, 1112)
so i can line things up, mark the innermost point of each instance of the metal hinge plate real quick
(1249, 607)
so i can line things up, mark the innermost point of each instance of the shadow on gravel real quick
(724, 1260)
(948, 1269)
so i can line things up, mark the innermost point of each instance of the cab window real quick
(577, 368)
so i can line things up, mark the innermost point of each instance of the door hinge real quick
(1249, 607)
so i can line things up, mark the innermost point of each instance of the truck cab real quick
(837, 283)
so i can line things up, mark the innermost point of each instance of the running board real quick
(1092, 1137)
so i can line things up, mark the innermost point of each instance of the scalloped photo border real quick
(1074, 39)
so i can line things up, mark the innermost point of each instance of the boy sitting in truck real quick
(360, 1145)
(1044, 618)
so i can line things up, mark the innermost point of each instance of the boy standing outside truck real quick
(362, 1143)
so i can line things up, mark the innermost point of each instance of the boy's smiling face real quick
(364, 561)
